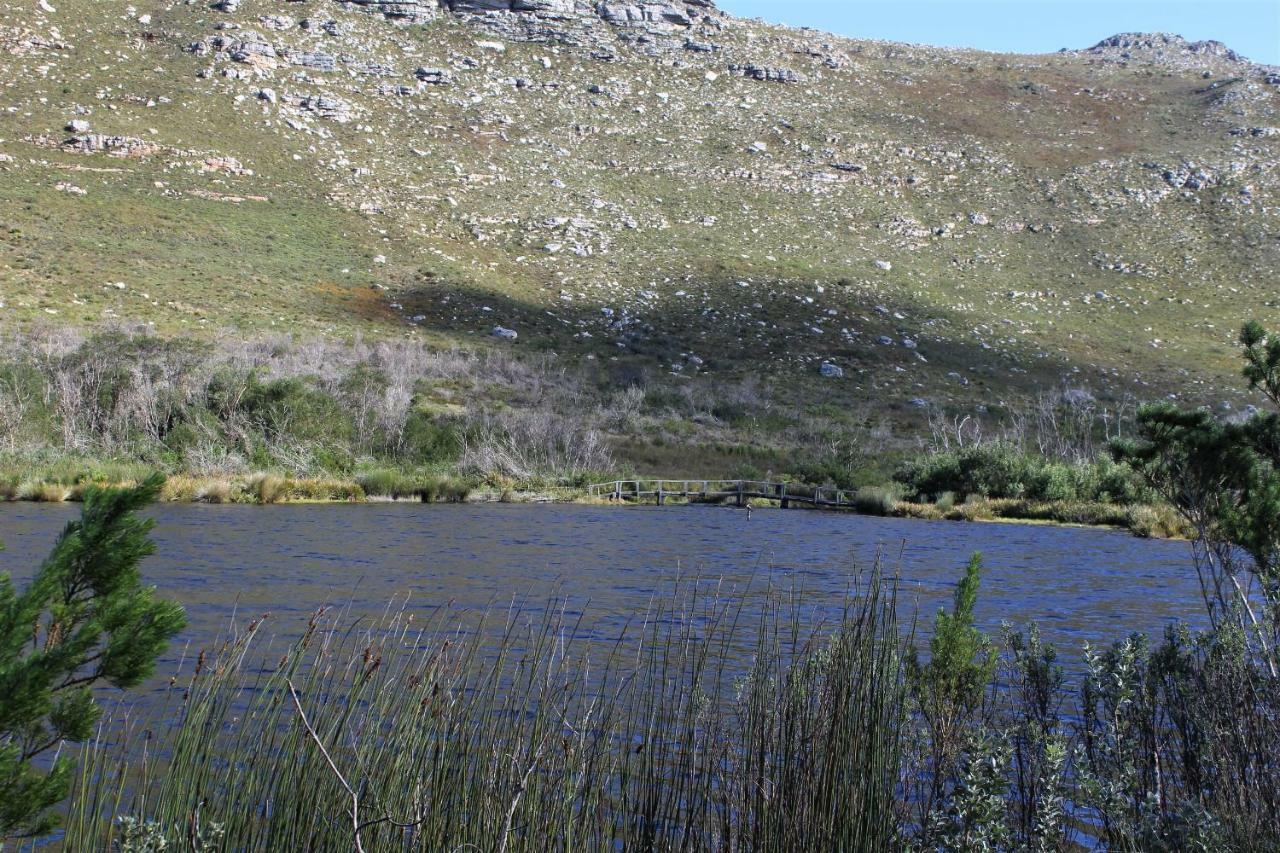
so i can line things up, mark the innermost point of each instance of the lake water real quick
(245, 561)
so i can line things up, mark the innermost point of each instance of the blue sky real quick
(1251, 27)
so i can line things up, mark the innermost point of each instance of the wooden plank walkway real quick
(720, 491)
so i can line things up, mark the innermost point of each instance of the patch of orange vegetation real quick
(356, 301)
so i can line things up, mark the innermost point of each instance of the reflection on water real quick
(241, 561)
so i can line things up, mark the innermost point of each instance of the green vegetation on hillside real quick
(1093, 218)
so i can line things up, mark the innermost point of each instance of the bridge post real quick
(742, 500)
(659, 496)
(782, 493)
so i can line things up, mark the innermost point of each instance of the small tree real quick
(948, 690)
(1224, 478)
(84, 620)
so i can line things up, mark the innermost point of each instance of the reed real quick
(43, 492)
(516, 732)
(428, 488)
(877, 500)
(523, 729)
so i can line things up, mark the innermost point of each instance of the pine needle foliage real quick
(85, 620)
(1223, 476)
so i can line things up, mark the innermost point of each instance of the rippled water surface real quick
(218, 561)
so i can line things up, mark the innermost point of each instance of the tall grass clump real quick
(877, 500)
(216, 491)
(387, 483)
(517, 732)
(43, 492)
(268, 488)
(399, 485)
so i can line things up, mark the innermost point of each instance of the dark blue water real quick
(225, 562)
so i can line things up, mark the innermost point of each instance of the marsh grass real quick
(877, 500)
(742, 723)
(519, 732)
(1158, 522)
(1149, 521)
(43, 492)
(216, 492)
(267, 488)
(426, 487)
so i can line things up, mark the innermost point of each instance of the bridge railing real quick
(660, 488)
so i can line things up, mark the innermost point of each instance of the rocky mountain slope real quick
(650, 185)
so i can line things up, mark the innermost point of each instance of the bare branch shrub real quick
(532, 445)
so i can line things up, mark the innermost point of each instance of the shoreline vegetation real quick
(279, 420)
(1145, 520)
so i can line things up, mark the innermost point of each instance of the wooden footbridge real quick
(723, 491)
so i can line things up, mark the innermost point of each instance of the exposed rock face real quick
(482, 6)
(1165, 49)
(678, 13)
(545, 20)
(771, 75)
(1165, 42)
(314, 61)
(645, 14)
(404, 10)
(327, 106)
(116, 146)
(433, 76)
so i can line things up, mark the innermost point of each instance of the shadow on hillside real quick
(721, 337)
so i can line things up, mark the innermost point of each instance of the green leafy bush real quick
(996, 470)
(293, 408)
(431, 440)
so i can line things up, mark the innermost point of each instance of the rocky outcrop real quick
(766, 73)
(1166, 50)
(550, 20)
(412, 11)
(647, 14)
(115, 146)
(1162, 42)
(675, 13)
(329, 107)
(462, 7)
(433, 76)
(314, 61)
